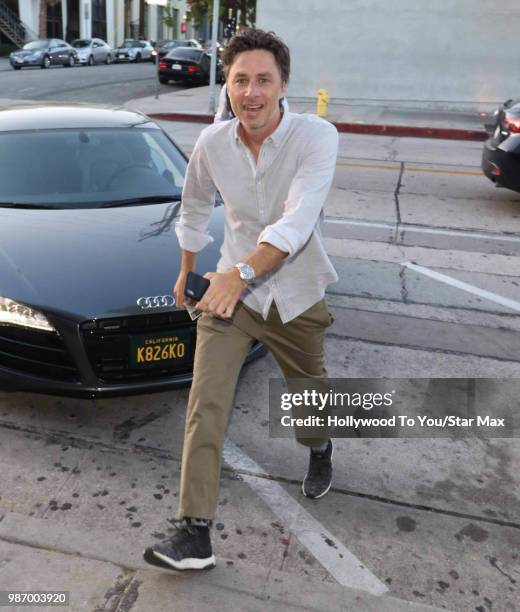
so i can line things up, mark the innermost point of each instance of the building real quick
(111, 20)
(447, 54)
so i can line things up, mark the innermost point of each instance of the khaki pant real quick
(222, 346)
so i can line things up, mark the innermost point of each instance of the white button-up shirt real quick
(278, 200)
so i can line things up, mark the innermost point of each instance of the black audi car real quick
(188, 65)
(88, 254)
(501, 155)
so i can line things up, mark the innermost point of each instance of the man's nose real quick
(252, 89)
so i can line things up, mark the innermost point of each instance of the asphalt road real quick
(434, 520)
(114, 84)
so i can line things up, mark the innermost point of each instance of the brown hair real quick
(250, 39)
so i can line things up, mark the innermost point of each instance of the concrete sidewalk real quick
(362, 117)
(102, 571)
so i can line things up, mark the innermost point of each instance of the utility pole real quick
(213, 67)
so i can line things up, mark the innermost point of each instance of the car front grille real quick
(108, 342)
(39, 353)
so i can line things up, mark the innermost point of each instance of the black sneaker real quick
(188, 548)
(319, 475)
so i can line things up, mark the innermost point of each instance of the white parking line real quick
(346, 568)
(448, 280)
(424, 230)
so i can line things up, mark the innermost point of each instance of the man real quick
(273, 170)
(224, 112)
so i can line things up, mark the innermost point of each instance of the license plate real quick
(176, 67)
(20, 60)
(156, 350)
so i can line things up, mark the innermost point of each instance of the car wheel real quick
(46, 62)
(163, 80)
(138, 57)
(17, 67)
(91, 61)
(70, 62)
(108, 59)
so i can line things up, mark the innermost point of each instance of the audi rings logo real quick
(156, 301)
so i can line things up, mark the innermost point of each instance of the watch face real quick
(246, 272)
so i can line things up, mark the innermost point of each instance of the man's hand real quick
(223, 293)
(178, 289)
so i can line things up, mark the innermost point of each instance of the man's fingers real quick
(179, 299)
(229, 311)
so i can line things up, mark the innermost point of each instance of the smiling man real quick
(273, 170)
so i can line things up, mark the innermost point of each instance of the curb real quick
(403, 131)
(242, 586)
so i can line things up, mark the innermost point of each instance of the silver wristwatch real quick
(247, 272)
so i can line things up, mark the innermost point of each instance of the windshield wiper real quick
(155, 199)
(27, 205)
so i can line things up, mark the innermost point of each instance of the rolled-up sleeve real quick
(198, 196)
(307, 192)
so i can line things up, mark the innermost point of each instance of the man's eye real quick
(264, 80)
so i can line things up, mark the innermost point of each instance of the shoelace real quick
(318, 468)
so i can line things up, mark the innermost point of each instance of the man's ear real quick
(284, 87)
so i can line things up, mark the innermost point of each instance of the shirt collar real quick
(276, 137)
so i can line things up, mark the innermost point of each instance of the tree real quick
(168, 18)
(42, 20)
(199, 9)
(141, 19)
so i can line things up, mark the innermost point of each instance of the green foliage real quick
(6, 49)
(168, 16)
(198, 9)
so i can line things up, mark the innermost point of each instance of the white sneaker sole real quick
(315, 496)
(324, 492)
(187, 564)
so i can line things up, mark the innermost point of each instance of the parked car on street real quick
(165, 46)
(92, 51)
(44, 53)
(188, 65)
(133, 50)
(501, 155)
(88, 200)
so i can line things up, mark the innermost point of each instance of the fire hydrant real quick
(323, 102)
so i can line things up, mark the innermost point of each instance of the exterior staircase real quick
(13, 28)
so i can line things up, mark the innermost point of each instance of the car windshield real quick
(186, 53)
(81, 44)
(84, 168)
(36, 44)
(128, 44)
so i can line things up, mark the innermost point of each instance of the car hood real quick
(25, 53)
(86, 264)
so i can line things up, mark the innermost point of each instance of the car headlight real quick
(14, 313)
